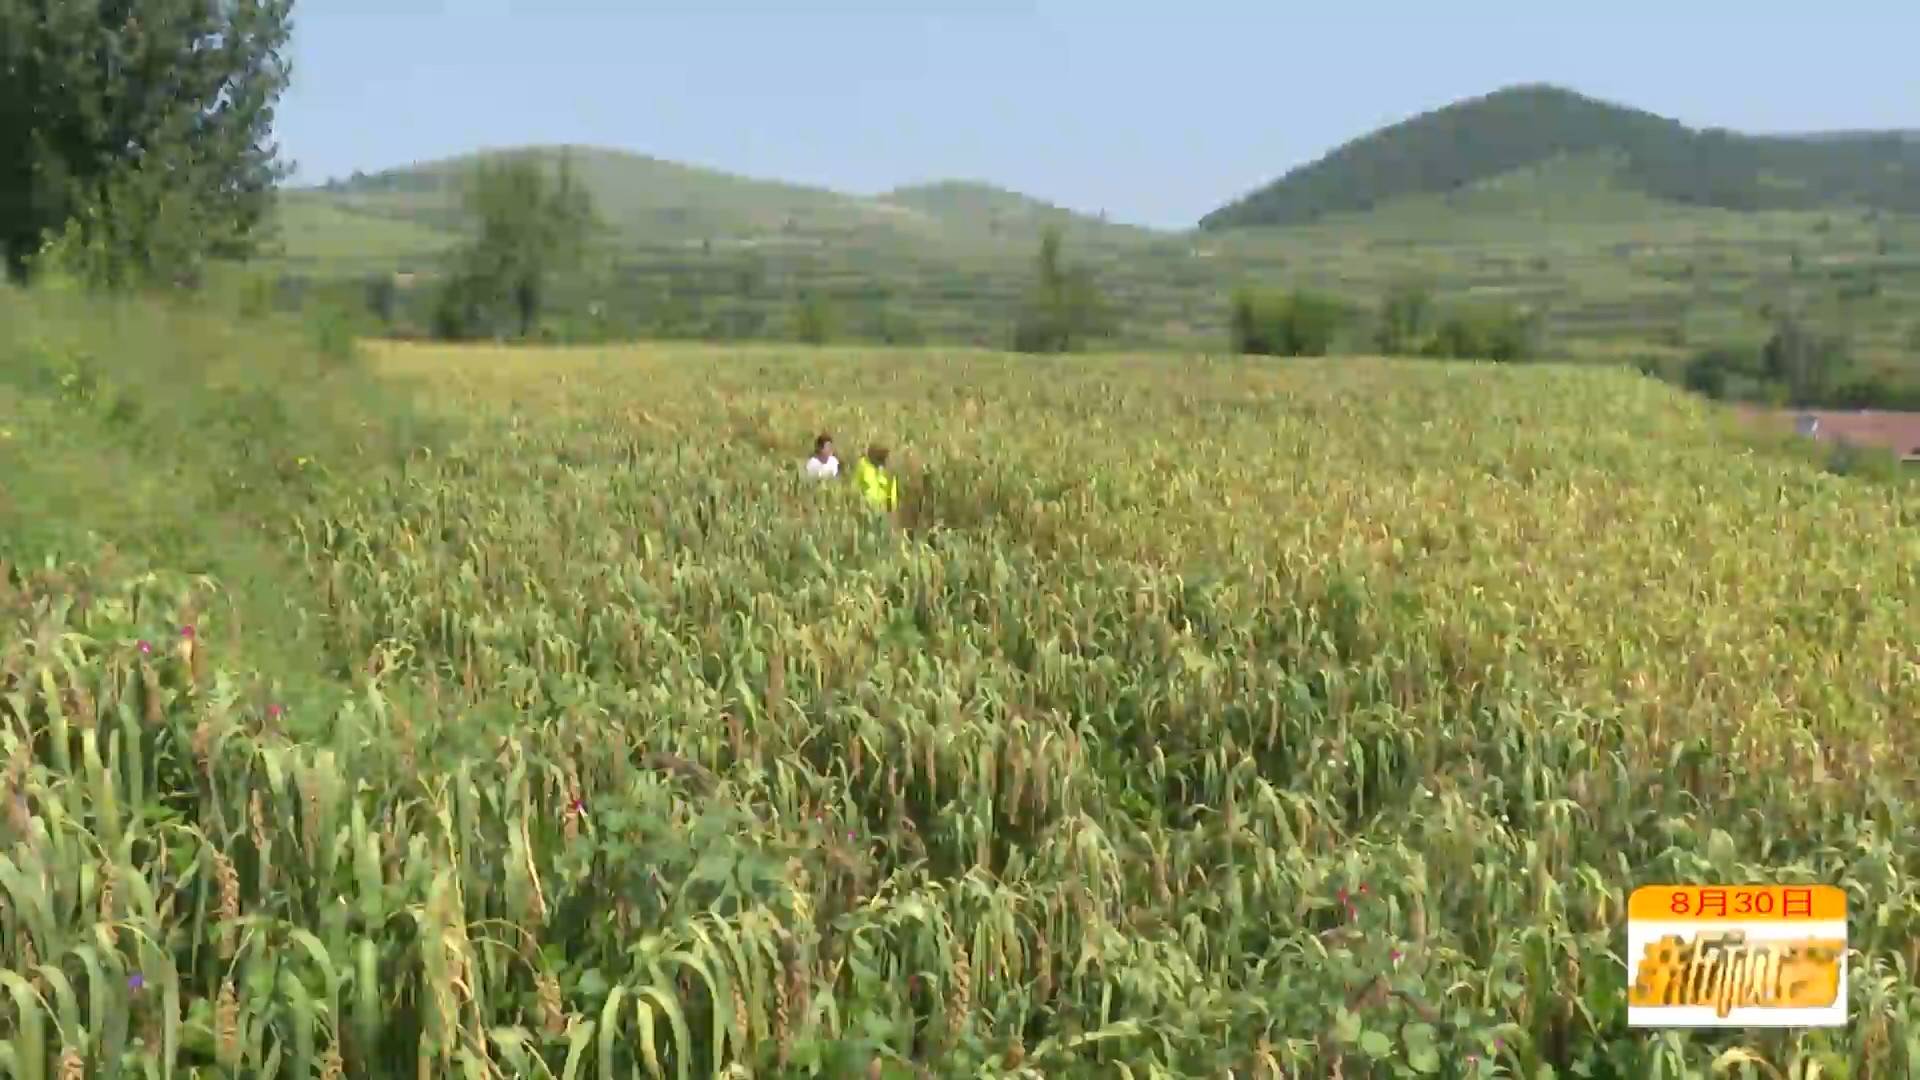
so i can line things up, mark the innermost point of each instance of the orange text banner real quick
(1737, 903)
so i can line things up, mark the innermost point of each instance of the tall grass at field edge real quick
(181, 434)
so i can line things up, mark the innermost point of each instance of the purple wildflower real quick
(136, 981)
(187, 631)
(145, 647)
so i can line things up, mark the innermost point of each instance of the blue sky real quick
(1153, 112)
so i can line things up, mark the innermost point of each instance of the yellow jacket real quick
(881, 489)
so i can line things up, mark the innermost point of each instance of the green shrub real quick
(332, 332)
(172, 410)
(1712, 369)
(1864, 462)
(1484, 332)
(1875, 390)
(815, 322)
(1804, 359)
(1404, 316)
(1297, 323)
(1064, 308)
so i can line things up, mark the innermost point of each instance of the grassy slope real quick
(334, 236)
(649, 201)
(971, 208)
(1610, 264)
(145, 435)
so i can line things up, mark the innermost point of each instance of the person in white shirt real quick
(823, 465)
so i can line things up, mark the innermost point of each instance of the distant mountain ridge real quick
(972, 197)
(661, 198)
(1480, 138)
(1866, 135)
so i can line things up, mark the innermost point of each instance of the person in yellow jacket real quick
(875, 481)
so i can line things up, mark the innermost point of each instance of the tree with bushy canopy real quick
(1404, 318)
(529, 227)
(1802, 359)
(1064, 309)
(1265, 322)
(814, 319)
(135, 135)
(1484, 332)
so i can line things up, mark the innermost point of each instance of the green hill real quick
(1568, 227)
(653, 202)
(330, 236)
(985, 209)
(1479, 139)
(693, 252)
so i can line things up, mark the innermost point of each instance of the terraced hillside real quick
(694, 252)
(1293, 719)
(1611, 269)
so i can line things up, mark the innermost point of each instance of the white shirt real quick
(823, 469)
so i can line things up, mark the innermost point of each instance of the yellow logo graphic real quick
(1726, 971)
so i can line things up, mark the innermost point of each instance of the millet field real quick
(1190, 718)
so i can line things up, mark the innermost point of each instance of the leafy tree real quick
(1487, 332)
(1711, 370)
(1064, 308)
(1403, 319)
(1299, 323)
(894, 326)
(676, 309)
(382, 297)
(529, 227)
(137, 133)
(1875, 390)
(814, 320)
(1805, 361)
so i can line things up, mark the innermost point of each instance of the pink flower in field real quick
(274, 711)
(187, 631)
(145, 647)
(1342, 896)
(1396, 956)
